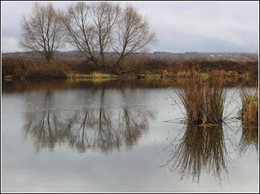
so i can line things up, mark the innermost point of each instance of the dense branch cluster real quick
(93, 28)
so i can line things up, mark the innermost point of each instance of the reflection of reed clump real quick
(202, 99)
(249, 138)
(201, 148)
(249, 116)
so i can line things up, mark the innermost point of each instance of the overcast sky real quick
(195, 26)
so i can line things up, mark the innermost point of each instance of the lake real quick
(120, 136)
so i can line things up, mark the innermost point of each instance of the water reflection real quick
(249, 138)
(45, 126)
(100, 127)
(22, 86)
(105, 117)
(200, 149)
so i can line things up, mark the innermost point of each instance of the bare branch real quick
(133, 34)
(42, 31)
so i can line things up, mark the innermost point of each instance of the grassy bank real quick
(28, 68)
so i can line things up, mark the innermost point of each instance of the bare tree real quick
(90, 27)
(78, 25)
(42, 32)
(104, 27)
(105, 16)
(133, 34)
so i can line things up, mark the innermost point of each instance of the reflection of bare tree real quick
(249, 138)
(107, 129)
(93, 130)
(201, 148)
(103, 128)
(132, 123)
(44, 125)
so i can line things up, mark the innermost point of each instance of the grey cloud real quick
(180, 26)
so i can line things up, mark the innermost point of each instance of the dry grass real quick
(20, 68)
(249, 110)
(202, 99)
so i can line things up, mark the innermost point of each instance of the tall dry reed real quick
(202, 98)
(249, 109)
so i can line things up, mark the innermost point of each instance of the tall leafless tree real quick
(133, 34)
(42, 31)
(105, 16)
(90, 26)
(102, 27)
(77, 22)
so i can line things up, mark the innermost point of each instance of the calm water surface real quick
(119, 136)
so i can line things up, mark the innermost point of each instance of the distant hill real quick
(231, 56)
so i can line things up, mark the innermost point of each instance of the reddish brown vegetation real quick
(22, 67)
(27, 68)
(204, 66)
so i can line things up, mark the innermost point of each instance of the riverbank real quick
(20, 68)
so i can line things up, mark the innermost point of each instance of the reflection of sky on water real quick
(135, 169)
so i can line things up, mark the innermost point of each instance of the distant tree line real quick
(93, 28)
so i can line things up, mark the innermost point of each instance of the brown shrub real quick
(19, 67)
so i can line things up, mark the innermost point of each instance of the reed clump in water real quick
(249, 110)
(202, 98)
(249, 116)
